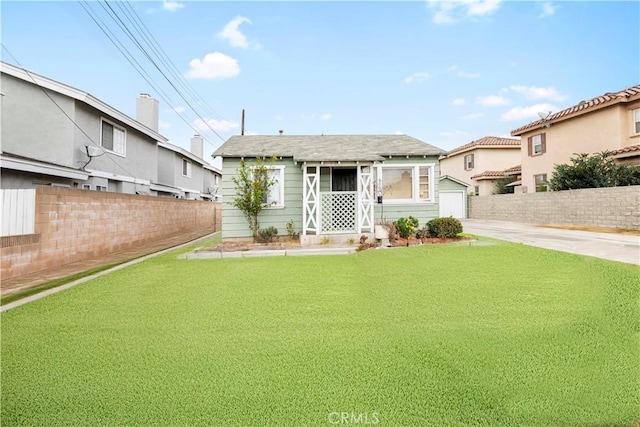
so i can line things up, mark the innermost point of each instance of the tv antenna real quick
(545, 117)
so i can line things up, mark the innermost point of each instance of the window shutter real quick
(530, 146)
(464, 160)
(472, 162)
(543, 143)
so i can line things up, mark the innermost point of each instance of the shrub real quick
(266, 235)
(422, 233)
(444, 227)
(291, 231)
(406, 226)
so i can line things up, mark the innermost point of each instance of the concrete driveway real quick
(612, 246)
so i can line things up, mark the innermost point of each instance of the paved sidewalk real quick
(611, 246)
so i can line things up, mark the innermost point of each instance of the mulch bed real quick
(412, 241)
(247, 246)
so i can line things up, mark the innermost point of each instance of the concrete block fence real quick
(614, 207)
(73, 225)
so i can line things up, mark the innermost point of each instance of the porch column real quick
(365, 198)
(310, 198)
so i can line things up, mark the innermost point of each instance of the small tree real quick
(500, 185)
(593, 171)
(252, 184)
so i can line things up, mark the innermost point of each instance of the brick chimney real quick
(147, 111)
(197, 146)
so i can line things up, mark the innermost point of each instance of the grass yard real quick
(449, 335)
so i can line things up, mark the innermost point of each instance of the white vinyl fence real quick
(18, 211)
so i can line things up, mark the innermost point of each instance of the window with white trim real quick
(113, 137)
(636, 120)
(406, 183)
(186, 168)
(537, 144)
(275, 198)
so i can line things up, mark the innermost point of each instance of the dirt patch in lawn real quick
(412, 241)
(248, 246)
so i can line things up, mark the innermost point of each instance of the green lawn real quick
(445, 335)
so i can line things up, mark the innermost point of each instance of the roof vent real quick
(280, 131)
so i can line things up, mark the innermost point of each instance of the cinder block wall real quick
(614, 207)
(75, 225)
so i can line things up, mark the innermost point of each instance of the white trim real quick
(165, 188)
(42, 168)
(310, 199)
(464, 201)
(415, 184)
(115, 126)
(635, 121)
(449, 177)
(280, 168)
(116, 177)
(79, 95)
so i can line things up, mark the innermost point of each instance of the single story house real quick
(335, 186)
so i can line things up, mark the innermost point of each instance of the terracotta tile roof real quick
(609, 98)
(487, 142)
(488, 175)
(513, 170)
(631, 150)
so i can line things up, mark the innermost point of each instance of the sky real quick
(445, 72)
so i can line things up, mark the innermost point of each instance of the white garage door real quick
(452, 203)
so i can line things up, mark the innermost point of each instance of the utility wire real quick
(64, 112)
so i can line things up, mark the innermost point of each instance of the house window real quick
(540, 182)
(476, 190)
(86, 186)
(468, 162)
(406, 183)
(113, 138)
(101, 188)
(275, 198)
(636, 120)
(186, 168)
(537, 144)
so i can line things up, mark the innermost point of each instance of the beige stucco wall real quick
(484, 159)
(606, 129)
(615, 207)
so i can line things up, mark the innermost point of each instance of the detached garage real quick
(453, 197)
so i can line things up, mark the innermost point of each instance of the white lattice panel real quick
(339, 212)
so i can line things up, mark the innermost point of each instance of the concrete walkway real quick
(205, 254)
(611, 246)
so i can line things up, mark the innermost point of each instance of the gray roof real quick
(314, 148)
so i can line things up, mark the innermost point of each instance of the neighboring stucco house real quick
(54, 134)
(330, 185)
(480, 162)
(609, 122)
(184, 174)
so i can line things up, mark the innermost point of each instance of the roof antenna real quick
(280, 131)
(242, 128)
(545, 117)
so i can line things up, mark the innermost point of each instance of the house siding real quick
(234, 224)
(33, 126)
(449, 185)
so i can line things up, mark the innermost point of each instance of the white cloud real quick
(473, 116)
(536, 92)
(172, 6)
(234, 36)
(217, 125)
(460, 73)
(521, 113)
(325, 116)
(455, 134)
(398, 132)
(492, 101)
(179, 109)
(548, 9)
(163, 125)
(452, 11)
(213, 66)
(459, 101)
(416, 77)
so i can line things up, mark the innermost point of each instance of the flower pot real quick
(381, 232)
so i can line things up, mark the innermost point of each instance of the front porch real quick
(338, 201)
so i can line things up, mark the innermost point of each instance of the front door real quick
(344, 179)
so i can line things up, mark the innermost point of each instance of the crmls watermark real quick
(354, 418)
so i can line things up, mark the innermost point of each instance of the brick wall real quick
(615, 207)
(75, 225)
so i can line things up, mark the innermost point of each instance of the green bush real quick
(266, 235)
(444, 227)
(406, 226)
